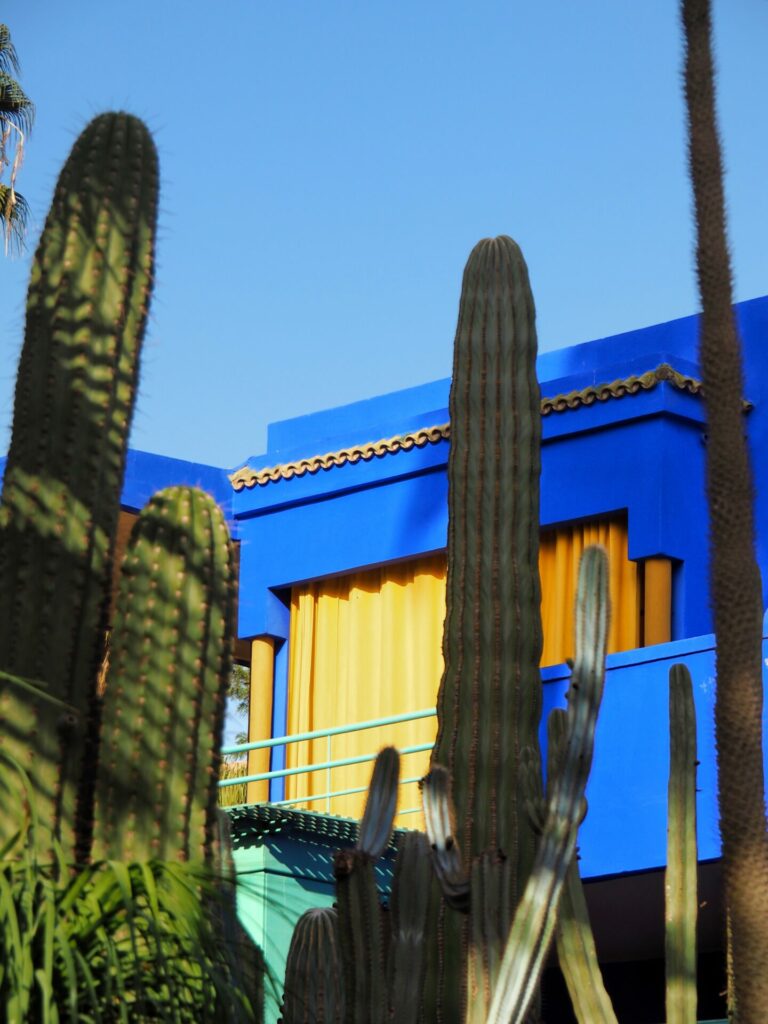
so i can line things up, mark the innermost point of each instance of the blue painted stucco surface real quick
(643, 454)
(626, 825)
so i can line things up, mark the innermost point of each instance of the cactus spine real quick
(86, 313)
(169, 666)
(489, 702)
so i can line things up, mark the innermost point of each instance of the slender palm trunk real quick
(735, 580)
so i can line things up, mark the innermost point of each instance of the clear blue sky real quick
(327, 166)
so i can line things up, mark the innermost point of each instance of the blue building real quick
(341, 527)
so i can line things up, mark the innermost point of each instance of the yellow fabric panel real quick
(369, 645)
(559, 553)
(364, 646)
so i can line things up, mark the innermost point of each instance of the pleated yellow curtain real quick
(362, 647)
(559, 553)
(369, 645)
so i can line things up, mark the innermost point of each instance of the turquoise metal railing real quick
(329, 763)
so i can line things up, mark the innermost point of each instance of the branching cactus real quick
(86, 312)
(380, 954)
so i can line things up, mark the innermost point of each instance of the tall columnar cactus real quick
(171, 650)
(735, 577)
(681, 906)
(86, 312)
(489, 703)
(170, 659)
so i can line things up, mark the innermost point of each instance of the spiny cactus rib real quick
(86, 312)
(491, 660)
(489, 702)
(440, 824)
(166, 686)
(360, 938)
(680, 882)
(409, 907)
(378, 818)
(577, 955)
(534, 920)
(361, 926)
(576, 950)
(314, 992)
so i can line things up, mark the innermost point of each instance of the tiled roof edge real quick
(247, 477)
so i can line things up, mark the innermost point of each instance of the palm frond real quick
(14, 218)
(9, 61)
(16, 107)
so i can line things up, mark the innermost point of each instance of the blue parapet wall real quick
(626, 825)
(642, 453)
(146, 474)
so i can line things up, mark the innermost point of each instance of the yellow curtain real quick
(369, 645)
(559, 553)
(362, 647)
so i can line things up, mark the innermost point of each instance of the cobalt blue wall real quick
(642, 453)
(626, 825)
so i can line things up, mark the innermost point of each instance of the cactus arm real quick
(409, 907)
(534, 919)
(439, 821)
(577, 955)
(379, 814)
(576, 950)
(361, 928)
(86, 312)
(166, 687)
(681, 907)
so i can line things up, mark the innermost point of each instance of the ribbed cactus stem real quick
(680, 882)
(166, 687)
(536, 914)
(362, 937)
(376, 825)
(489, 703)
(492, 659)
(314, 989)
(409, 907)
(576, 951)
(86, 312)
